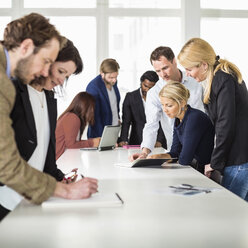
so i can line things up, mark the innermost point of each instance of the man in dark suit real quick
(133, 113)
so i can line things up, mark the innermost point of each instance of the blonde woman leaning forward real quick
(226, 101)
(193, 135)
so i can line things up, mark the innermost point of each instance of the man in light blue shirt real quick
(164, 63)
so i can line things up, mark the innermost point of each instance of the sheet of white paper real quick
(96, 200)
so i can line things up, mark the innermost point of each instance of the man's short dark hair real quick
(149, 75)
(162, 51)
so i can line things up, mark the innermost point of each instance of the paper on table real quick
(96, 200)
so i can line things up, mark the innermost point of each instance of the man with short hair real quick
(107, 97)
(164, 63)
(133, 113)
(29, 47)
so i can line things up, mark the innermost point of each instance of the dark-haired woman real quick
(72, 122)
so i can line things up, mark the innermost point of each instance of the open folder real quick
(146, 162)
(96, 200)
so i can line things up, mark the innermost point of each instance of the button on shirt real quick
(154, 111)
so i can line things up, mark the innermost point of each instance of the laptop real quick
(108, 140)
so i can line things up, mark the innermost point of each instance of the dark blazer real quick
(228, 110)
(25, 131)
(103, 113)
(193, 138)
(133, 114)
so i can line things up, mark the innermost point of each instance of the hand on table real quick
(137, 156)
(208, 170)
(160, 155)
(81, 189)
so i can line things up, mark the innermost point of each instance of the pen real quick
(119, 198)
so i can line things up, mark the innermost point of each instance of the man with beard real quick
(107, 97)
(133, 113)
(29, 47)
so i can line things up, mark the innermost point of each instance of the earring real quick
(182, 108)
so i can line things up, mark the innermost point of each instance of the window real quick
(226, 37)
(5, 4)
(60, 4)
(129, 30)
(4, 20)
(145, 4)
(224, 4)
(85, 41)
(131, 41)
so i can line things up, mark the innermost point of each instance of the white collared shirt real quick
(143, 100)
(154, 111)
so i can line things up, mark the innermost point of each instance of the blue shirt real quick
(193, 138)
(8, 62)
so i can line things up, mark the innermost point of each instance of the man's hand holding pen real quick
(87, 186)
(81, 189)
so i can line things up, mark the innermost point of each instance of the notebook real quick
(146, 162)
(96, 200)
(108, 140)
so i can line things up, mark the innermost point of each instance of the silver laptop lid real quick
(109, 137)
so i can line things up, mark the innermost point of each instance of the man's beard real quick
(23, 69)
(107, 82)
(41, 80)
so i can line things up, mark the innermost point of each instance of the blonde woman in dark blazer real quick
(226, 102)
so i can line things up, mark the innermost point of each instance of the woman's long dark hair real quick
(83, 106)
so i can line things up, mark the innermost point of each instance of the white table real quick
(147, 218)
